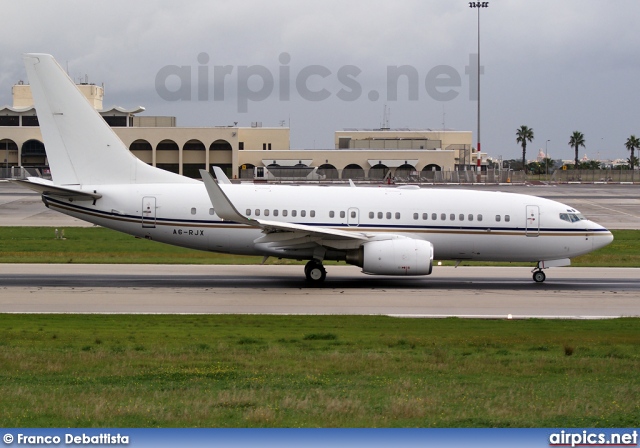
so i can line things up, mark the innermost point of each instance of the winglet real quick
(220, 176)
(221, 203)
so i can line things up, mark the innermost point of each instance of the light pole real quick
(546, 157)
(478, 6)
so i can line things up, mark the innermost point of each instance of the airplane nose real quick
(602, 239)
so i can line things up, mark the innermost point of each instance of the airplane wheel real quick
(539, 277)
(315, 272)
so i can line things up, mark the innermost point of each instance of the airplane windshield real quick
(571, 217)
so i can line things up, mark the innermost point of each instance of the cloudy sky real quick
(326, 65)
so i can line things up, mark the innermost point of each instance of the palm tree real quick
(576, 140)
(632, 143)
(548, 164)
(523, 135)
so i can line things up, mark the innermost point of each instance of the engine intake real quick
(402, 256)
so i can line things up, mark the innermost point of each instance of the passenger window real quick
(425, 216)
(388, 215)
(193, 210)
(443, 217)
(397, 215)
(452, 217)
(332, 214)
(497, 218)
(371, 215)
(294, 213)
(507, 218)
(275, 213)
(284, 213)
(312, 213)
(470, 217)
(211, 211)
(415, 216)
(379, 215)
(434, 216)
(461, 217)
(266, 212)
(248, 212)
(479, 217)
(303, 213)
(342, 214)
(257, 212)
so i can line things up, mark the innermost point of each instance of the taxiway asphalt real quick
(475, 292)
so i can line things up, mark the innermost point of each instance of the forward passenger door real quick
(533, 221)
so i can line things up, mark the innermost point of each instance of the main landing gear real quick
(315, 272)
(538, 275)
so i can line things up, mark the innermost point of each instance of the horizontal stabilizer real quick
(49, 189)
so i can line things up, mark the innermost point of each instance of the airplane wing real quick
(282, 234)
(47, 188)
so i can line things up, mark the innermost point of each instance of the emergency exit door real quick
(148, 212)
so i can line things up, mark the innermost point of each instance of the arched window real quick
(404, 171)
(328, 171)
(193, 145)
(353, 171)
(167, 145)
(140, 145)
(220, 145)
(378, 171)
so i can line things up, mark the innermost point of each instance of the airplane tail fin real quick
(81, 147)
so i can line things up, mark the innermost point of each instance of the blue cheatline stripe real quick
(479, 230)
(319, 437)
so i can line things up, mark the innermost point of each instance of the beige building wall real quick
(22, 97)
(392, 140)
(255, 139)
(340, 159)
(220, 146)
(157, 141)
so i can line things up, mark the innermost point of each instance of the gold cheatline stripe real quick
(347, 229)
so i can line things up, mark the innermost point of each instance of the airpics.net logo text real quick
(590, 438)
(254, 83)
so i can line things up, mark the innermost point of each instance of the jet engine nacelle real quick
(403, 256)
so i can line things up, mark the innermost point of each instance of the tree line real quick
(524, 134)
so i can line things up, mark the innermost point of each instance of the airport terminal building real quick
(254, 152)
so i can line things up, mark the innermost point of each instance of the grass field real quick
(100, 245)
(316, 371)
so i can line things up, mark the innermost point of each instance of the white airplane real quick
(385, 231)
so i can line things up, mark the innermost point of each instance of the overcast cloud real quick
(554, 66)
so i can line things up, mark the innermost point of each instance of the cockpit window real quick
(571, 217)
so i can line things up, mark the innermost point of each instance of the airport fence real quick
(602, 175)
(491, 176)
(21, 172)
(374, 175)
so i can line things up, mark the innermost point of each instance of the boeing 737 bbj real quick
(385, 231)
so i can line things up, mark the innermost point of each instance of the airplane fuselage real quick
(461, 224)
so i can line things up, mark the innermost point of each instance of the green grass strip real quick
(98, 245)
(316, 371)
